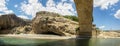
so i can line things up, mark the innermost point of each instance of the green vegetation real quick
(77, 29)
(97, 28)
(74, 18)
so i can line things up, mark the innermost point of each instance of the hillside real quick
(9, 21)
(53, 23)
(43, 23)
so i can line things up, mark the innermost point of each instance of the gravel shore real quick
(37, 36)
(46, 36)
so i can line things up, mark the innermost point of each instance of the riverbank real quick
(37, 36)
(46, 36)
(110, 34)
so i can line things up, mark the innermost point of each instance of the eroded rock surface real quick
(53, 23)
(9, 21)
(22, 30)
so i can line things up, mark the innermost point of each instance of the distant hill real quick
(112, 30)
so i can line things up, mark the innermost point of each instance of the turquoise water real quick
(9, 41)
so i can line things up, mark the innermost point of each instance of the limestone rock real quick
(109, 34)
(22, 30)
(53, 23)
(9, 21)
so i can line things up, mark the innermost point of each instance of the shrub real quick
(71, 17)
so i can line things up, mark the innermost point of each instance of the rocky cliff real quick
(9, 21)
(53, 23)
(43, 23)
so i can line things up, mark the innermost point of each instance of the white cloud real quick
(63, 0)
(3, 8)
(15, 6)
(24, 17)
(105, 4)
(72, 0)
(33, 1)
(61, 8)
(50, 3)
(117, 14)
(101, 27)
(32, 7)
(67, 0)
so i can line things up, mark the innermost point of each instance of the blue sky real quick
(106, 13)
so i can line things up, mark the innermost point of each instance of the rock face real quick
(84, 10)
(53, 23)
(22, 30)
(10, 21)
(110, 34)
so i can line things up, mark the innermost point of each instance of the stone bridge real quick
(84, 9)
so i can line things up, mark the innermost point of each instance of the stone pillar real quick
(84, 9)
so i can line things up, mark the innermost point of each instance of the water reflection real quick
(82, 42)
(69, 42)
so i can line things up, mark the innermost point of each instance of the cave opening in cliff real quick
(51, 33)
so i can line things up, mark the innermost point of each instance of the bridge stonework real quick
(84, 9)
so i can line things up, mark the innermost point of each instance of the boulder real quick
(53, 23)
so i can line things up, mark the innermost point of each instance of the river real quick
(10, 41)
